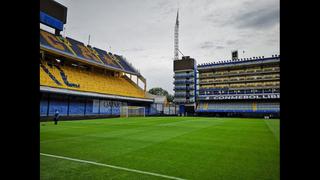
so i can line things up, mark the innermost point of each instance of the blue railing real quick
(183, 75)
(184, 88)
(225, 92)
(184, 82)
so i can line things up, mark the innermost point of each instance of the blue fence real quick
(74, 105)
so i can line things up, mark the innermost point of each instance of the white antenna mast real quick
(176, 38)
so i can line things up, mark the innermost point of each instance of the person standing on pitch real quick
(56, 117)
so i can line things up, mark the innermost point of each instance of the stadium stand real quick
(265, 107)
(86, 80)
(80, 80)
(242, 86)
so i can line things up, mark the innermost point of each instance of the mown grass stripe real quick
(112, 166)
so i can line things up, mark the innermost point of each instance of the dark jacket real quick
(56, 115)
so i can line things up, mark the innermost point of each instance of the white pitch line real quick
(111, 166)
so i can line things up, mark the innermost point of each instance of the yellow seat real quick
(90, 81)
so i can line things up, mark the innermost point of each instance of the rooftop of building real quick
(259, 59)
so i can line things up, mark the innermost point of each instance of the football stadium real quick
(223, 122)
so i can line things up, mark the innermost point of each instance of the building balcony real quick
(183, 95)
(244, 73)
(183, 88)
(204, 92)
(183, 75)
(184, 82)
(201, 82)
(183, 100)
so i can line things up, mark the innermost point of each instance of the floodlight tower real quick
(176, 38)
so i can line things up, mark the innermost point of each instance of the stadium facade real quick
(249, 87)
(80, 80)
(243, 86)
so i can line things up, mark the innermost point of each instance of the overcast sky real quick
(142, 30)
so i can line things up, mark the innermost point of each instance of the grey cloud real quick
(215, 18)
(161, 4)
(209, 45)
(219, 47)
(249, 15)
(262, 18)
(232, 42)
(206, 45)
(134, 49)
(162, 10)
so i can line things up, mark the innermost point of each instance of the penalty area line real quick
(112, 166)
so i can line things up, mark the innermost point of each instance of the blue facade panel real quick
(58, 104)
(116, 108)
(105, 107)
(43, 107)
(76, 106)
(92, 107)
(181, 109)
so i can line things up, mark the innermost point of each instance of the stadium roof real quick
(239, 62)
(73, 49)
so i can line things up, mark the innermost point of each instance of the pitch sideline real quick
(114, 167)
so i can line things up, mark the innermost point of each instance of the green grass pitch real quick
(183, 147)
